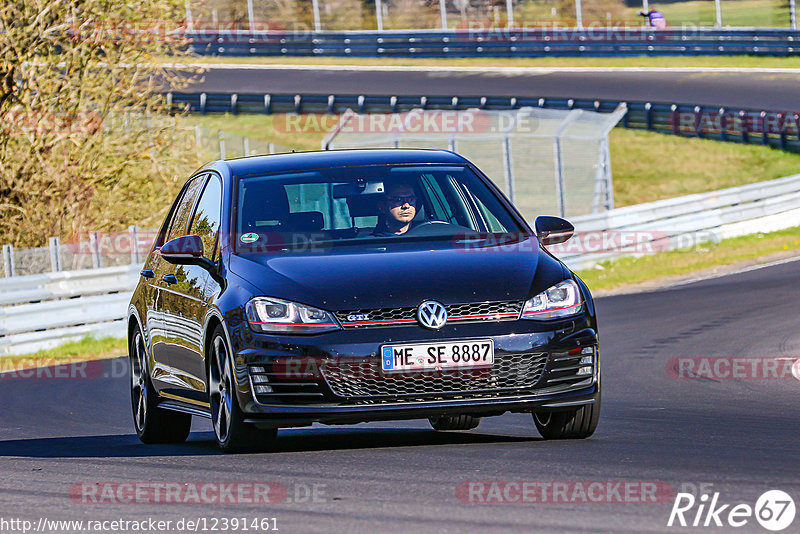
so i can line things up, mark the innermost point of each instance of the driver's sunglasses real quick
(399, 201)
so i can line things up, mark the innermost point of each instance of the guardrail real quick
(485, 41)
(772, 128)
(44, 310)
(691, 221)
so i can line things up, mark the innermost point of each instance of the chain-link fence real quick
(90, 251)
(341, 15)
(545, 160)
(218, 144)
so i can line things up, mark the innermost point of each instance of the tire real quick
(579, 423)
(232, 433)
(152, 424)
(455, 422)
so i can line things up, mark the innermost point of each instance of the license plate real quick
(467, 354)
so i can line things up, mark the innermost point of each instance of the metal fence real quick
(97, 250)
(753, 126)
(381, 15)
(544, 160)
(218, 144)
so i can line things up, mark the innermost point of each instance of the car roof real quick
(298, 161)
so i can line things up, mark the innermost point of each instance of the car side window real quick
(180, 219)
(207, 217)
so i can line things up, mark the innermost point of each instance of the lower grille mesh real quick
(364, 378)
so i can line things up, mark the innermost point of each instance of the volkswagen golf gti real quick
(341, 287)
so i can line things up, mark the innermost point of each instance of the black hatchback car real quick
(341, 287)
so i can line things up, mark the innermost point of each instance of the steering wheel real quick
(424, 224)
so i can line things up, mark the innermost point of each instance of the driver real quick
(397, 209)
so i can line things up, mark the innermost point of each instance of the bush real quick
(77, 151)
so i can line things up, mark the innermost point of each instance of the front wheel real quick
(153, 424)
(579, 423)
(233, 434)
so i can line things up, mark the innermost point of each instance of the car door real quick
(169, 281)
(190, 299)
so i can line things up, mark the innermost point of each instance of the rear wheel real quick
(579, 423)
(233, 434)
(153, 424)
(455, 422)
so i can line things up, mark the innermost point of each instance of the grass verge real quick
(629, 271)
(88, 348)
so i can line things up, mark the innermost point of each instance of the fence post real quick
(94, 247)
(578, 14)
(250, 17)
(55, 254)
(792, 15)
(134, 238)
(246, 146)
(718, 9)
(443, 13)
(271, 148)
(189, 23)
(315, 9)
(221, 138)
(8, 259)
(559, 172)
(197, 141)
(508, 170)
(379, 14)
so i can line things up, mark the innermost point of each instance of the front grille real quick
(481, 311)
(357, 378)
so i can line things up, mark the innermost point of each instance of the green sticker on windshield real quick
(249, 238)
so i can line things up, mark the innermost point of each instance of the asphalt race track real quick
(770, 90)
(739, 437)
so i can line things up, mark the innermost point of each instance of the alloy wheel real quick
(221, 389)
(139, 390)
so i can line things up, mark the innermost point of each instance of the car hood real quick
(374, 277)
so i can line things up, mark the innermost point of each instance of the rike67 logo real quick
(774, 510)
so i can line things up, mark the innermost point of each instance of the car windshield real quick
(351, 205)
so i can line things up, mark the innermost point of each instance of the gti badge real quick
(432, 315)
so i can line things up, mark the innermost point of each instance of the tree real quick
(80, 102)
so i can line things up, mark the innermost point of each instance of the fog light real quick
(257, 369)
(259, 379)
(587, 360)
(263, 389)
(584, 371)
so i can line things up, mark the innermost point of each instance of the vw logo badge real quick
(431, 314)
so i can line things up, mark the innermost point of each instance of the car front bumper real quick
(558, 344)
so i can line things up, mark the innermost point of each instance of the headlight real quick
(561, 300)
(277, 316)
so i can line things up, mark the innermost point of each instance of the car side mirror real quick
(552, 230)
(184, 250)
